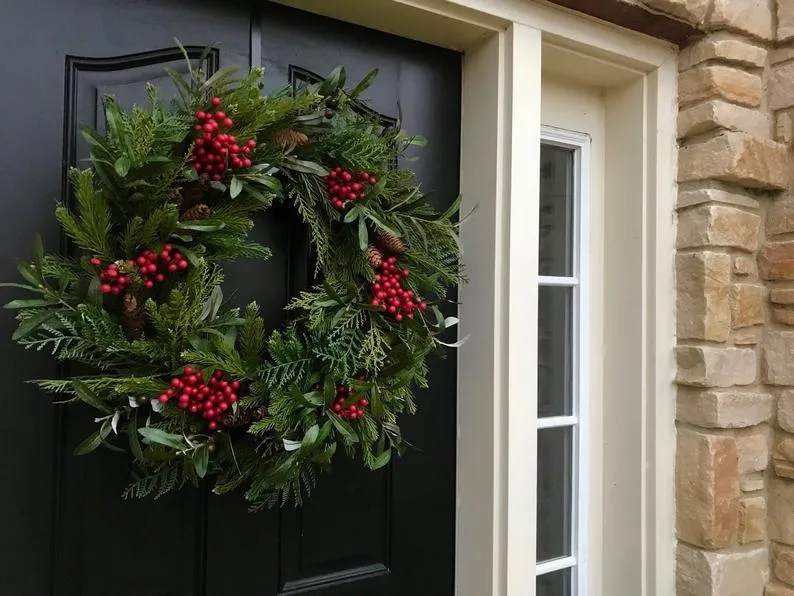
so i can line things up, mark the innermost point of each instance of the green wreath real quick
(200, 388)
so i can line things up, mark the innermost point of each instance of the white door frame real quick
(506, 44)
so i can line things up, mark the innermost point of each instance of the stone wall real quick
(735, 299)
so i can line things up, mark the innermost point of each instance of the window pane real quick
(554, 584)
(555, 492)
(556, 211)
(555, 350)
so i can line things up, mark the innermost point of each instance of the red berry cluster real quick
(344, 187)
(350, 411)
(215, 149)
(389, 293)
(212, 398)
(153, 266)
(114, 281)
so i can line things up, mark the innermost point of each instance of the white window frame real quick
(503, 44)
(579, 420)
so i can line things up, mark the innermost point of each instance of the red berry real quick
(252, 143)
(212, 425)
(398, 317)
(182, 264)
(216, 101)
(201, 116)
(235, 148)
(373, 180)
(217, 177)
(247, 163)
(148, 284)
(163, 399)
(228, 122)
(105, 288)
(220, 115)
(235, 385)
(363, 402)
(422, 306)
(96, 262)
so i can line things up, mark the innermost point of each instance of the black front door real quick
(67, 532)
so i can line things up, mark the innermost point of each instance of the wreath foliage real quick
(191, 386)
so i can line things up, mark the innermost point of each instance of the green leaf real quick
(33, 303)
(93, 295)
(363, 84)
(132, 434)
(20, 286)
(85, 394)
(201, 227)
(352, 214)
(290, 445)
(31, 323)
(452, 209)
(380, 461)
(89, 444)
(307, 167)
(156, 435)
(342, 427)
(220, 75)
(28, 272)
(212, 304)
(363, 235)
(310, 437)
(334, 81)
(191, 256)
(201, 460)
(219, 186)
(382, 225)
(122, 166)
(92, 137)
(235, 187)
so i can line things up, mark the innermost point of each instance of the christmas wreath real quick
(191, 386)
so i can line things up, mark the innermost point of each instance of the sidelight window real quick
(562, 396)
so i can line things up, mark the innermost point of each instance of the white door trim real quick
(505, 45)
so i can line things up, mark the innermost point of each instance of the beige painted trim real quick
(504, 42)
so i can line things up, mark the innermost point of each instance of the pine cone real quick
(374, 256)
(391, 243)
(200, 211)
(133, 316)
(289, 138)
(244, 417)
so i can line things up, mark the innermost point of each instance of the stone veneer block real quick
(690, 198)
(785, 20)
(780, 86)
(752, 519)
(753, 452)
(783, 563)
(723, 409)
(778, 360)
(783, 468)
(780, 217)
(783, 315)
(778, 590)
(784, 126)
(718, 225)
(776, 261)
(726, 47)
(782, 295)
(747, 305)
(734, 573)
(744, 266)
(753, 17)
(750, 483)
(747, 336)
(707, 366)
(692, 11)
(785, 410)
(780, 511)
(738, 158)
(718, 81)
(717, 113)
(707, 489)
(703, 297)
